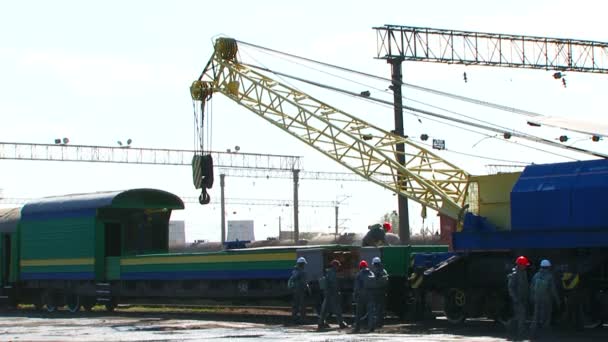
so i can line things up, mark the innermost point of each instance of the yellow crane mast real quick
(367, 150)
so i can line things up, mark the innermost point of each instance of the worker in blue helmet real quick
(298, 284)
(378, 293)
(543, 293)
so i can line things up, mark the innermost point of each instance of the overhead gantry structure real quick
(367, 150)
(425, 44)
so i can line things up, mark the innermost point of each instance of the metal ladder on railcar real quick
(103, 293)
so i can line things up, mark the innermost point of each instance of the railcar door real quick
(6, 257)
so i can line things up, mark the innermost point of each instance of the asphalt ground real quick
(243, 324)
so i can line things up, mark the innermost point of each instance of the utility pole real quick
(336, 220)
(396, 80)
(223, 207)
(296, 225)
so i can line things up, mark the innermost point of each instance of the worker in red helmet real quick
(517, 284)
(387, 227)
(331, 296)
(362, 297)
(376, 235)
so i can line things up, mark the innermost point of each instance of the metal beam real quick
(232, 164)
(268, 202)
(491, 49)
(133, 155)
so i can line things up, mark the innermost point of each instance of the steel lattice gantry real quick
(491, 49)
(231, 164)
(132, 155)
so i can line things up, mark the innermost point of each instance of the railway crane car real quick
(548, 211)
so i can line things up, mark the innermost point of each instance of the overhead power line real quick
(410, 85)
(441, 116)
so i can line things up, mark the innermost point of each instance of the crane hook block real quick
(200, 91)
(202, 171)
(226, 48)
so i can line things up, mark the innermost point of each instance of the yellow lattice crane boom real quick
(365, 149)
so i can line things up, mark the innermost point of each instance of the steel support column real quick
(396, 77)
(336, 221)
(296, 220)
(223, 207)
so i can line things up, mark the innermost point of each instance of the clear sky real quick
(102, 71)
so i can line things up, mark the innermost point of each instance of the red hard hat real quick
(387, 227)
(522, 261)
(363, 264)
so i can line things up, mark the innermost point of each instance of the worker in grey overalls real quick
(361, 293)
(332, 300)
(544, 295)
(297, 283)
(517, 285)
(379, 291)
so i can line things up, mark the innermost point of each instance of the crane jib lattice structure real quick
(365, 149)
(410, 43)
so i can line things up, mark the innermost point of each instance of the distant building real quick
(240, 230)
(286, 235)
(177, 233)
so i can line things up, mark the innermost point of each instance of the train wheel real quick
(505, 319)
(454, 304)
(591, 312)
(110, 306)
(88, 303)
(73, 303)
(504, 313)
(49, 302)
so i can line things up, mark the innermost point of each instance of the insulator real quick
(563, 138)
(507, 135)
(424, 137)
(226, 48)
(595, 138)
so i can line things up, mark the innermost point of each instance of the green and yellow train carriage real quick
(112, 247)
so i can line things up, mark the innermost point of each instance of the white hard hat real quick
(545, 263)
(301, 260)
(376, 260)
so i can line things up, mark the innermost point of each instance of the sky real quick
(98, 72)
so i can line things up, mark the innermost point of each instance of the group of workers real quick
(541, 292)
(369, 294)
